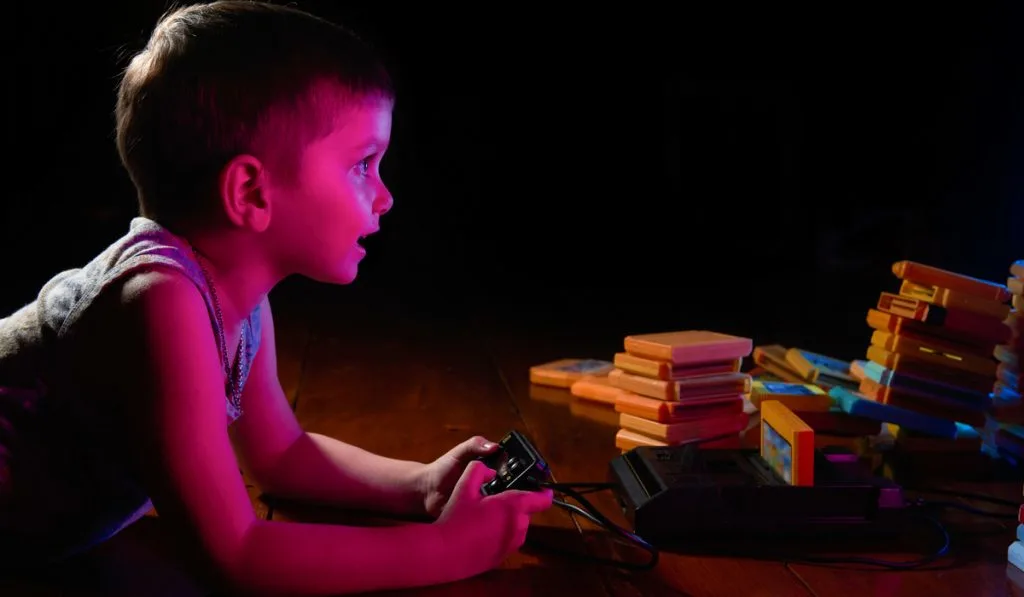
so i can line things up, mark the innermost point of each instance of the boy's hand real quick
(484, 530)
(439, 477)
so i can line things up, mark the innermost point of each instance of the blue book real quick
(855, 403)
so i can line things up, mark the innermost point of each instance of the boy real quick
(253, 134)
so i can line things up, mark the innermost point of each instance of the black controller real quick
(518, 465)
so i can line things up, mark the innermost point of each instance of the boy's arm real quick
(287, 462)
(160, 365)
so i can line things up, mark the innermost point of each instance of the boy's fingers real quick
(473, 478)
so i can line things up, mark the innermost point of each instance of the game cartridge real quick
(968, 441)
(951, 299)
(675, 412)
(908, 381)
(931, 371)
(1017, 268)
(933, 353)
(565, 372)
(860, 405)
(944, 345)
(669, 371)
(963, 327)
(1006, 354)
(813, 366)
(688, 346)
(705, 386)
(1015, 321)
(857, 368)
(927, 275)
(835, 422)
(796, 396)
(686, 431)
(1009, 377)
(787, 444)
(772, 358)
(596, 389)
(932, 405)
(626, 440)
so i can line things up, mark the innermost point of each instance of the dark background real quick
(630, 169)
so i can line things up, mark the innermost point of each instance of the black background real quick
(629, 168)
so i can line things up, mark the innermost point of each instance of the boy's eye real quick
(364, 165)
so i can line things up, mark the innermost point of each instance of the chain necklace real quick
(233, 385)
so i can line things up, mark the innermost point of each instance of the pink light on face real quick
(336, 196)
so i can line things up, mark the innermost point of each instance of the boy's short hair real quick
(225, 78)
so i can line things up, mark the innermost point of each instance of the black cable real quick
(577, 486)
(890, 564)
(968, 495)
(966, 508)
(591, 513)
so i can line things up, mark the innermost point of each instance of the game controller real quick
(518, 465)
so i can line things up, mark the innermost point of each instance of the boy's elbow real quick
(277, 476)
(233, 567)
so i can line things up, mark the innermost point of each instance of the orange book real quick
(565, 372)
(927, 275)
(706, 386)
(689, 346)
(627, 440)
(686, 431)
(676, 412)
(596, 389)
(929, 370)
(964, 328)
(669, 371)
(912, 348)
(953, 300)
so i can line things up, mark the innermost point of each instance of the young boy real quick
(253, 134)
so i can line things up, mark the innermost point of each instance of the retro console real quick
(518, 465)
(680, 492)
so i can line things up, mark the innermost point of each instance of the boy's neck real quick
(239, 280)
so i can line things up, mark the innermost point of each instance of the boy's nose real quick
(382, 204)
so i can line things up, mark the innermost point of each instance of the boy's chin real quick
(340, 279)
(341, 276)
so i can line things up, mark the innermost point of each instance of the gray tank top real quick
(59, 492)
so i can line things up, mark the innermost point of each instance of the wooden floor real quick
(411, 383)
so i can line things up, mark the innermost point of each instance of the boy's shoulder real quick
(138, 321)
(129, 307)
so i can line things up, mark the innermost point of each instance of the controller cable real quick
(587, 510)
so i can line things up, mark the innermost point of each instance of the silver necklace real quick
(233, 385)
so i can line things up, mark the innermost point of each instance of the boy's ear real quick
(243, 193)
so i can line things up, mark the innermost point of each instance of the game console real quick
(671, 493)
(518, 465)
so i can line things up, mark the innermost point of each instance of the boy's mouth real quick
(363, 237)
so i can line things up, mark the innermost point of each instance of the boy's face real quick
(335, 197)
